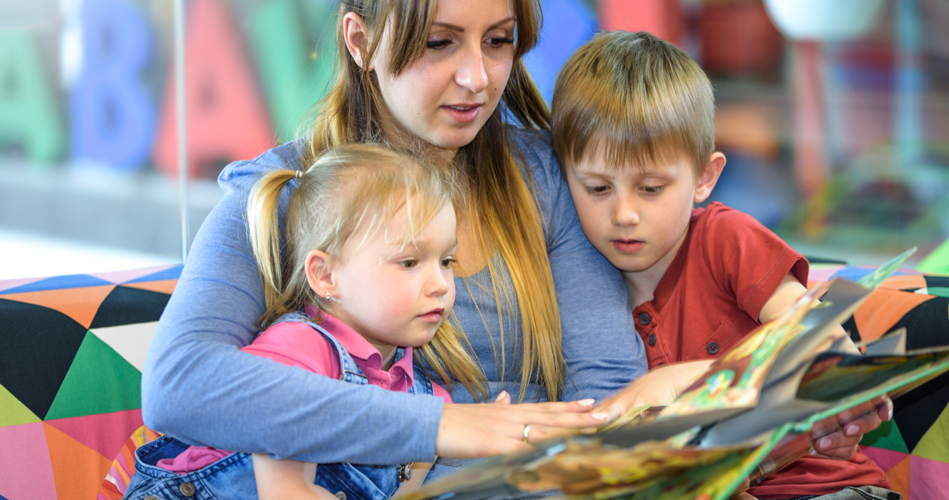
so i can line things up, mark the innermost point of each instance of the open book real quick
(747, 416)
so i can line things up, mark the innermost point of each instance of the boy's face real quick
(637, 217)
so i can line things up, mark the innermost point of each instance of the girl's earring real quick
(327, 296)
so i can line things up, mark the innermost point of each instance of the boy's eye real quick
(651, 189)
(437, 44)
(598, 189)
(409, 263)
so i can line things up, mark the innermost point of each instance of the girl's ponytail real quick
(264, 231)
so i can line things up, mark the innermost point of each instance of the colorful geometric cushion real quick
(913, 448)
(71, 355)
(123, 467)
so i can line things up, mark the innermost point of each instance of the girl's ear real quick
(319, 273)
(356, 36)
(709, 177)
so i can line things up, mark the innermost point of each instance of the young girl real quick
(363, 277)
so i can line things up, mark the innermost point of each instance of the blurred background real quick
(834, 115)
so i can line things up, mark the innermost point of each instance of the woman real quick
(440, 79)
(437, 79)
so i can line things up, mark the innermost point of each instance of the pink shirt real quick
(298, 344)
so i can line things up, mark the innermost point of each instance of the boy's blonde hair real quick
(499, 204)
(636, 99)
(350, 192)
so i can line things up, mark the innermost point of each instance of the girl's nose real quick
(471, 74)
(438, 283)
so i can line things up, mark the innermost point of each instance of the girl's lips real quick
(627, 246)
(435, 315)
(464, 113)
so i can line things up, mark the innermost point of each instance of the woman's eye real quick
(651, 189)
(409, 263)
(498, 42)
(437, 44)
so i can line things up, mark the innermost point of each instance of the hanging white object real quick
(824, 20)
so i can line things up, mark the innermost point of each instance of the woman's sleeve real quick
(199, 387)
(601, 349)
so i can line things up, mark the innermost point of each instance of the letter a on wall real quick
(226, 117)
(113, 111)
(28, 114)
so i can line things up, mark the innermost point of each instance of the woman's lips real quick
(627, 246)
(464, 113)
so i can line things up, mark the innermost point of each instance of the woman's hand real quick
(837, 437)
(659, 387)
(482, 430)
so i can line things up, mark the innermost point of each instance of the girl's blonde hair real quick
(350, 192)
(499, 204)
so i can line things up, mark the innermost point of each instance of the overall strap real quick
(349, 370)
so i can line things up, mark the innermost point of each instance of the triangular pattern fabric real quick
(160, 274)
(88, 429)
(99, 381)
(164, 286)
(934, 445)
(24, 454)
(128, 306)
(130, 341)
(899, 477)
(12, 411)
(917, 411)
(886, 459)
(80, 304)
(928, 479)
(886, 437)
(11, 284)
(143, 274)
(881, 311)
(31, 374)
(77, 470)
(59, 283)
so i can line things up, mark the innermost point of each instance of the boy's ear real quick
(319, 273)
(356, 36)
(709, 176)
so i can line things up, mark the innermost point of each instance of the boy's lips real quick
(627, 246)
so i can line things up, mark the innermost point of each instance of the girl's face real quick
(395, 291)
(447, 95)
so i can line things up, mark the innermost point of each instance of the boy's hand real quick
(838, 436)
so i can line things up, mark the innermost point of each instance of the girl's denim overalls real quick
(232, 477)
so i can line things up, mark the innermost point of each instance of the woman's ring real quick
(527, 431)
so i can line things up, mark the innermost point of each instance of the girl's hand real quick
(837, 437)
(482, 430)
(659, 387)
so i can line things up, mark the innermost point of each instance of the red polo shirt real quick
(710, 297)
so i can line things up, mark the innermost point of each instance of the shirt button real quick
(644, 319)
(713, 348)
(652, 339)
(341, 495)
(186, 489)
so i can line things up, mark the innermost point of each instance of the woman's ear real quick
(319, 273)
(356, 36)
(709, 177)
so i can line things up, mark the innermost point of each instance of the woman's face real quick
(447, 95)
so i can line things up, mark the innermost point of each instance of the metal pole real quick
(182, 125)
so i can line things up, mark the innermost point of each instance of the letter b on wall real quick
(113, 115)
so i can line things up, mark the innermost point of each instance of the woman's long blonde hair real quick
(351, 191)
(499, 204)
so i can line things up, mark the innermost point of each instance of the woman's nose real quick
(472, 74)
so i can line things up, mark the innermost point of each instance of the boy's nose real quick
(625, 215)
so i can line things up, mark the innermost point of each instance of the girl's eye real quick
(498, 42)
(598, 189)
(409, 263)
(651, 189)
(437, 44)
(447, 262)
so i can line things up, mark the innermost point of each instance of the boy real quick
(633, 127)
